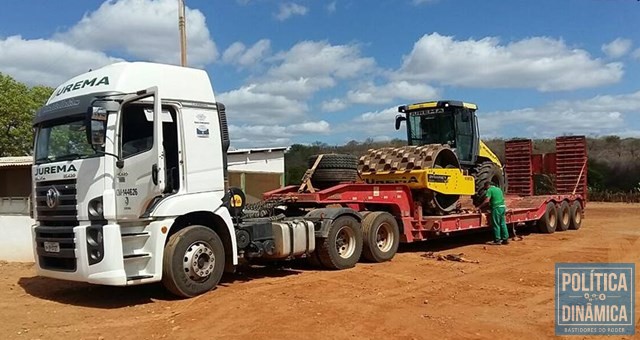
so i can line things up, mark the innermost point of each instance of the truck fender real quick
(323, 217)
(223, 213)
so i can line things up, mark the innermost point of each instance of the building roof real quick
(16, 161)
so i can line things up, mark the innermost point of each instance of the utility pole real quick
(183, 33)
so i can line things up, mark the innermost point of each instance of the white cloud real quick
(288, 10)
(319, 127)
(422, 2)
(145, 29)
(242, 56)
(247, 105)
(542, 63)
(333, 105)
(372, 94)
(617, 48)
(600, 115)
(280, 94)
(380, 125)
(622, 102)
(331, 7)
(319, 58)
(636, 54)
(249, 135)
(233, 52)
(301, 88)
(547, 122)
(47, 62)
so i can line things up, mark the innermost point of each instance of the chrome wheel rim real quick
(198, 261)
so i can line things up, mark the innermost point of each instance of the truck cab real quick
(129, 166)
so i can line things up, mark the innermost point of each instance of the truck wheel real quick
(576, 216)
(486, 172)
(548, 222)
(381, 236)
(193, 261)
(564, 216)
(343, 247)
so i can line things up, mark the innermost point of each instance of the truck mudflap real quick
(323, 217)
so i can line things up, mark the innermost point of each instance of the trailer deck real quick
(397, 200)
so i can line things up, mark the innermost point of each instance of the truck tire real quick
(564, 216)
(484, 172)
(193, 261)
(335, 161)
(576, 216)
(325, 178)
(381, 236)
(343, 246)
(549, 221)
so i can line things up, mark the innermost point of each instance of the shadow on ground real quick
(110, 297)
(463, 238)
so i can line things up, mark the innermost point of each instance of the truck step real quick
(137, 256)
(136, 234)
(138, 277)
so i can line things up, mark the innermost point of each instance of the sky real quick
(333, 71)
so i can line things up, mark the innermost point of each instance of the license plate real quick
(52, 247)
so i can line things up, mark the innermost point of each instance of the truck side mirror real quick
(96, 125)
(399, 120)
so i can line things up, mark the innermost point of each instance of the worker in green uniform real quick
(495, 199)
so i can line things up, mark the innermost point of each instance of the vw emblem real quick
(53, 197)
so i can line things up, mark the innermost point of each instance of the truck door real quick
(141, 179)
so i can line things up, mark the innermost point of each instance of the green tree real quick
(18, 104)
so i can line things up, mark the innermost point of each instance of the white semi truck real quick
(130, 184)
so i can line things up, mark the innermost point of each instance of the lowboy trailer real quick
(388, 213)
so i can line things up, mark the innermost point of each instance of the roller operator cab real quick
(453, 123)
(130, 184)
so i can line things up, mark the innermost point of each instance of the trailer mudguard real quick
(323, 217)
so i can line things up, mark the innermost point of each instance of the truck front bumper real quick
(68, 253)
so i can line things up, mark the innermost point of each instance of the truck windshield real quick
(63, 141)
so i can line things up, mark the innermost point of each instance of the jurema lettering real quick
(54, 169)
(82, 84)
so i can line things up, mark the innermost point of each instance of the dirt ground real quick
(509, 294)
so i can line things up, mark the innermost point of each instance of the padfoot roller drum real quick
(405, 159)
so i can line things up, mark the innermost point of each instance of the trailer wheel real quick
(549, 221)
(576, 216)
(381, 236)
(564, 216)
(343, 247)
(193, 261)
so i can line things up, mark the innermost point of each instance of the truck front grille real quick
(56, 207)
